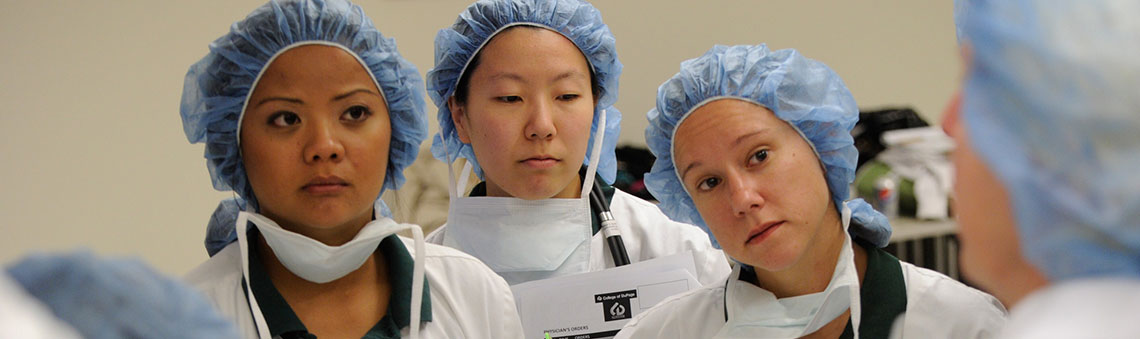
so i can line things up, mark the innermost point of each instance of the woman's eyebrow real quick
(687, 168)
(749, 135)
(289, 100)
(734, 143)
(567, 75)
(352, 92)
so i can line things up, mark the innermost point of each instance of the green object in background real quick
(865, 187)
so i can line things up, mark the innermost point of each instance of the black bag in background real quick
(868, 132)
(632, 164)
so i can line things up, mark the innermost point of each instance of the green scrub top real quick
(283, 323)
(882, 294)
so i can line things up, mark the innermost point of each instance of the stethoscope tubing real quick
(609, 226)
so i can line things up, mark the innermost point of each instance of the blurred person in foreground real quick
(1048, 130)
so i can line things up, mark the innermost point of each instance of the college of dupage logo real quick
(615, 305)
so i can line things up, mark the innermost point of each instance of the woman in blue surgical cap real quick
(525, 91)
(308, 113)
(1048, 133)
(755, 146)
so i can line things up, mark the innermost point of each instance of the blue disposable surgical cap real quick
(577, 20)
(118, 298)
(220, 229)
(1050, 105)
(801, 91)
(216, 88)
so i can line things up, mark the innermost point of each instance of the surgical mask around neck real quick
(756, 313)
(319, 263)
(524, 240)
(314, 261)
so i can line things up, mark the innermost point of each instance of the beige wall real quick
(93, 153)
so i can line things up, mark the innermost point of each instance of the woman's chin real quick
(535, 195)
(537, 191)
(324, 221)
(770, 261)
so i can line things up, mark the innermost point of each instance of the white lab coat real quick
(647, 234)
(936, 307)
(1086, 308)
(468, 300)
(940, 307)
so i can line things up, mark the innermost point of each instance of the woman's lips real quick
(540, 162)
(761, 234)
(326, 186)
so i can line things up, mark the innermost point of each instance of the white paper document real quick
(597, 304)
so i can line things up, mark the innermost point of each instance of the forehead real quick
(313, 67)
(522, 48)
(725, 123)
(728, 118)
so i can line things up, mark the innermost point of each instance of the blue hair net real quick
(220, 229)
(217, 86)
(575, 19)
(803, 92)
(118, 298)
(1051, 106)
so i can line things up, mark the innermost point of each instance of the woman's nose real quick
(746, 196)
(323, 144)
(541, 124)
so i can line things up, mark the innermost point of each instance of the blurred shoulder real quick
(1097, 307)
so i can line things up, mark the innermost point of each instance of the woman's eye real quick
(759, 156)
(708, 184)
(568, 97)
(509, 98)
(356, 113)
(284, 119)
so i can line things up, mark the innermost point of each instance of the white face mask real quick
(756, 313)
(319, 263)
(314, 261)
(524, 240)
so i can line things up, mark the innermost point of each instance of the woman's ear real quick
(459, 119)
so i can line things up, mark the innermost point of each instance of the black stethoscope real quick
(609, 225)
